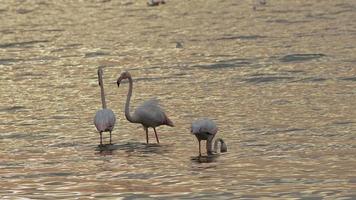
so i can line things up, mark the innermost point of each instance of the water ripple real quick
(26, 44)
(301, 57)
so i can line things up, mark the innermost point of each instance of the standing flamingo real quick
(206, 129)
(149, 114)
(104, 119)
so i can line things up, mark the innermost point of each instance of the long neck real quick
(102, 91)
(127, 105)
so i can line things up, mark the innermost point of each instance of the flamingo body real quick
(149, 114)
(104, 120)
(204, 129)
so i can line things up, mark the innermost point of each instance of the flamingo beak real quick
(118, 81)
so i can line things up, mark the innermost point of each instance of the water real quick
(279, 80)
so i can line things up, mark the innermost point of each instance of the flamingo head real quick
(124, 75)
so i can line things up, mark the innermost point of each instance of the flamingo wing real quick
(151, 114)
(204, 126)
(104, 120)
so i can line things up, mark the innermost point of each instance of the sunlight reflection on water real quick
(277, 78)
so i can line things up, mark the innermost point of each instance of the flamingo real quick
(206, 129)
(149, 114)
(155, 2)
(104, 119)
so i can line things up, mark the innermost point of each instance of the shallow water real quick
(279, 80)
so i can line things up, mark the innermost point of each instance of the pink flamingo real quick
(149, 114)
(206, 129)
(104, 119)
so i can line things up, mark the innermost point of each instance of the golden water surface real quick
(279, 80)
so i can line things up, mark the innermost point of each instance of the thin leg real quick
(209, 143)
(110, 137)
(101, 139)
(146, 135)
(156, 135)
(199, 149)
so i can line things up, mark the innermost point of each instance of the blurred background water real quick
(279, 79)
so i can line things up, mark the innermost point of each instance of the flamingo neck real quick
(127, 105)
(103, 102)
(223, 147)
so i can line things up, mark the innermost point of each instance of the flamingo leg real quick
(156, 135)
(101, 139)
(146, 129)
(209, 143)
(110, 137)
(199, 148)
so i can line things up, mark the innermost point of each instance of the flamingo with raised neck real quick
(149, 114)
(104, 119)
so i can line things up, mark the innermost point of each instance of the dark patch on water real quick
(290, 130)
(348, 78)
(284, 21)
(30, 74)
(253, 144)
(241, 37)
(280, 102)
(74, 45)
(295, 71)
(313, 79)
(343, 5)
(267, 79)
(12, 109)
(352, 180)
(6, 31)
(343, 122)
(44, 58)
(301, 57)
(58, 183)
(205, 158)
(318, 16)
(311, 198)
(142, 176)
(231, 63)
(60, 116)
(23, 11)
(156, 78)
(342, 11)
(210, 195)
(22, 44)
(25, 136)
(63, 144)
(40, 175)
(52, 30)
(9, 61)
(132, 147)
(287, 11)
(96, 54)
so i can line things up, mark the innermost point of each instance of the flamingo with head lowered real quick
(104, 119)
(206, 129)
(149, 114)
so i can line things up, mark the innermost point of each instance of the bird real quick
(206, 129)
(155, 2)
(104, 119)
(149, 114)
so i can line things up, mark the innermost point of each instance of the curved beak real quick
(118, 82)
